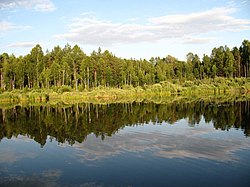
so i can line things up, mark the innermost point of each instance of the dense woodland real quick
(70, 66)
(74, 123)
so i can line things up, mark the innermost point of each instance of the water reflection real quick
(73, 123)
(138, 144)
(198, 144)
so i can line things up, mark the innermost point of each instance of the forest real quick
(71, 67)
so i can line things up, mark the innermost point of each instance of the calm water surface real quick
(133, 144)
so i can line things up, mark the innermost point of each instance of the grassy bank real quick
(205, 87)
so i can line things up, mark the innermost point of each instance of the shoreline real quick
(164, 90)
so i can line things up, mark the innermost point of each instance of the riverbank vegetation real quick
(68, 73)
(126, 93)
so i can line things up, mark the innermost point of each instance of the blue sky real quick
(128, 28)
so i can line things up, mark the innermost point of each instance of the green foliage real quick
(64, 88)
(156, 88)
(66, 69)
(188, 84)
(164, 88)
(127, 87)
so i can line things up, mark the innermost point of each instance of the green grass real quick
(206, 87)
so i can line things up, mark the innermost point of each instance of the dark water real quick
(133, 144)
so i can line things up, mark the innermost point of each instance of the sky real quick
(128, 28)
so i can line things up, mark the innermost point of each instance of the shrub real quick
(156, 87)
(240, 81)
(188, 84)
(139, 89)
(64, 88)
(127, 87)
(25, 90)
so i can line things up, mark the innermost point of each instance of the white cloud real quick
(6, 26)
(22, 44)
(197, 40)
(90, 30)
(37, 5)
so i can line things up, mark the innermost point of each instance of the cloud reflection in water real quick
(190, 142)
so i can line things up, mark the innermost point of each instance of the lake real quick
(192, 143)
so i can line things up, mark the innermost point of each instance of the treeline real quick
(74, 123)
(70, 66)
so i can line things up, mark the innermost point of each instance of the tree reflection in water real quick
(73, 123)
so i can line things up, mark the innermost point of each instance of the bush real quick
(176, 81)
(25, 90)
(127, 87)
(156, 88)
(139, 89)
(240, 81)
(64, 88)
(188, 84)
(80, 88)
(197, 82)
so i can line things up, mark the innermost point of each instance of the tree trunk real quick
(88, 75)
(2, 81)
(239, 70)
(63, 77)
(75, 78)
(95, 75)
